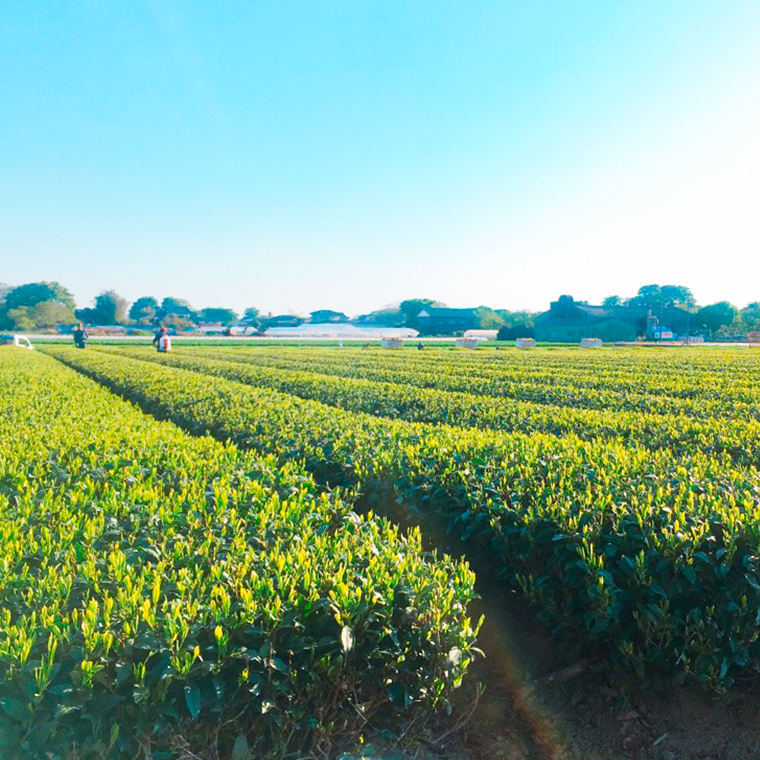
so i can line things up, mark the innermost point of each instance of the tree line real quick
(720, 319)
(45, 305)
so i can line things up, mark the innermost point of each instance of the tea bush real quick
(652, 555)
(156, 585)
(740, 439)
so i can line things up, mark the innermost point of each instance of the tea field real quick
(195, 552)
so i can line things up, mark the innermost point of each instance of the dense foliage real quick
(739, 438)
(653, 553)
(156, 586)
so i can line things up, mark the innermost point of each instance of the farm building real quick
(434, 320)
(568, 321)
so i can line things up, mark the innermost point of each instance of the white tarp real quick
(341, 330)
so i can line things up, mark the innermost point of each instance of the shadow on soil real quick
(540, 702)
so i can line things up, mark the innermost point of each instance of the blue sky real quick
(304, 155)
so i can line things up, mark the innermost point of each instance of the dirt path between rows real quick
(524, 715)
(540, 701)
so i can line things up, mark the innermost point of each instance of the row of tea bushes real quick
(154, 584)
(740, 439)
(630, 370)
(556, 389)
(653, 555)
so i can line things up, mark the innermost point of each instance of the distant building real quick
(434, 320)
(569, 321)
(211, 328)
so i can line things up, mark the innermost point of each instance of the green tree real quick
(51, 313)
(413, 306)
(176, 312)
(518, 324)
(750, 316)
(717, 315)
(143, 310)
(327, 315)
(42, 315)
(212, 314)
(177, 306)
(648, 296)
(251, 319)
(488, 319)
(110, 308)
(35, 292)
(676, 295)
(612, 301)
(18, 319)
(390, 316)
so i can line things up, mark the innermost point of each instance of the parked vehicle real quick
(15, 340)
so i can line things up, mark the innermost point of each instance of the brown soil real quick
(524, 714)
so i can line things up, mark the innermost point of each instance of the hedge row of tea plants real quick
(651, 555)
(740, 439)
(156, 585)
(677, 373)
(557, 388)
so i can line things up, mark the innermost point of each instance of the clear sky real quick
(349, 154)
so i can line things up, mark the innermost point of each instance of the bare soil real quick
(583, 713)
(540, 702)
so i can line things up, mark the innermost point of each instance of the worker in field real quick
(162, 341)
(80, 336)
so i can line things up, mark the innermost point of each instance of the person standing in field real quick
(162, 341)
(80, 336)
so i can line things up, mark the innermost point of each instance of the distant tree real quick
(656, 297)
(176, 312)
(213, 314)
(648, 296)
(18, 319)
(327, 315)
(4, 290)
(110, 308)
(143, 310)
(88, 315)
(750, 316)
(177, 306)
(390, 316)
(488, 319)
(17, 308)
(35, 292)
(180, 323)
(251, 320)
(717, 315)
(51, 313)
(676, 295)
(512, 332)
(42, 315)
(413, 306)
(612, 301)
(280, 320)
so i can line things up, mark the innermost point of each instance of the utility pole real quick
(688, 314)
